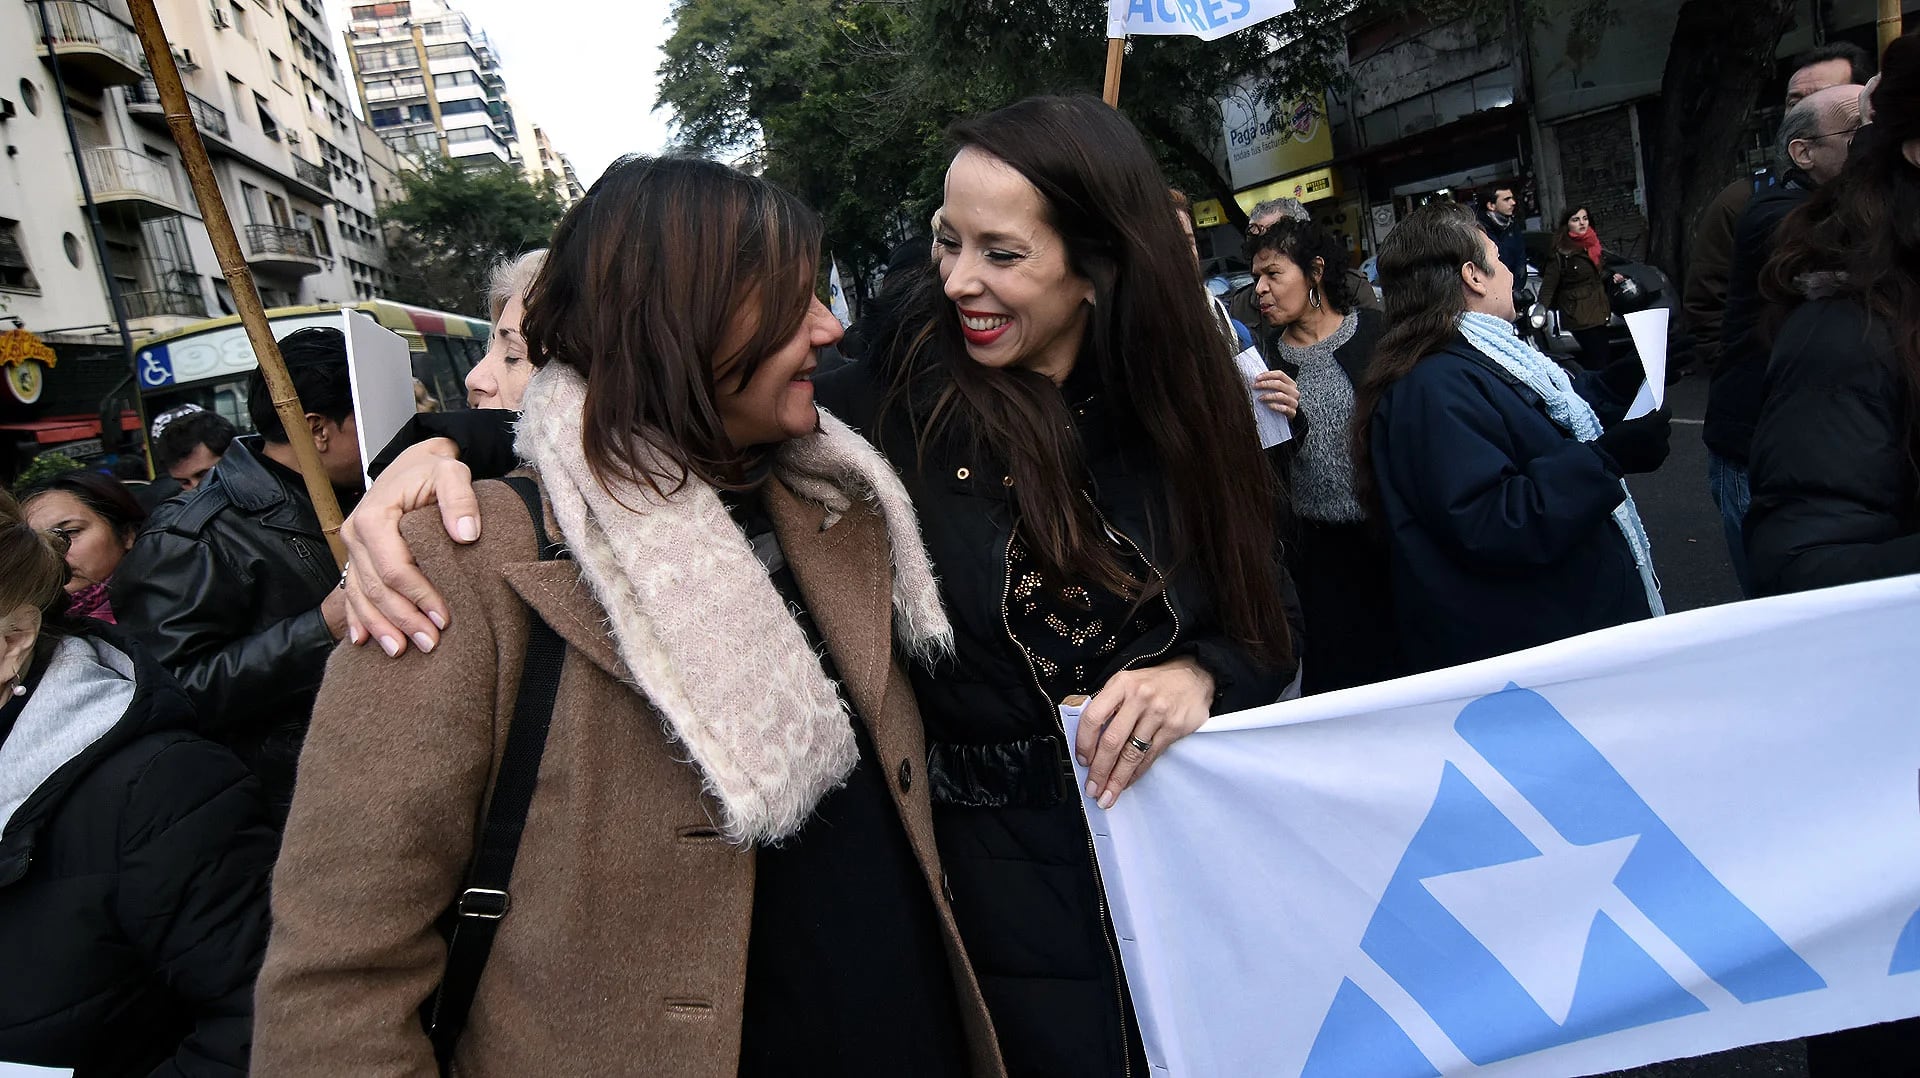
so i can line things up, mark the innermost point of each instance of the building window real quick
(470, 104)
(240, 20)
(385, 117)
(279, 68)
(239, 91)
(419, 114)
(15, 274)
(267, 122)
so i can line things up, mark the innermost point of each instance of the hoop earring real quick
(1313, 298)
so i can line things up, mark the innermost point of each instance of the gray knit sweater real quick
(1323, 467)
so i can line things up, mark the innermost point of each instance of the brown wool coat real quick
(625, 950)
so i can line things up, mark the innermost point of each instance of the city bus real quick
(208, 363)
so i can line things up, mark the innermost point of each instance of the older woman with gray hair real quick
(501, 376)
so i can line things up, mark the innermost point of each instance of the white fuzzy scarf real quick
(701, 628)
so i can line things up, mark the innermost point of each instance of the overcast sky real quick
(581, 69)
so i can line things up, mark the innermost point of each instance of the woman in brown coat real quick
(728, 863)
(1574, 282)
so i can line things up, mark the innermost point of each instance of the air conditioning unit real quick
(221, 20)
(183, 59)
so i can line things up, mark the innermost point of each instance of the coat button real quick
(1006, 480)
(906, 776)
(963, 473)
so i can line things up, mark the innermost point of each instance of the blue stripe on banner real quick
(1588, 802)
(1359, 1038)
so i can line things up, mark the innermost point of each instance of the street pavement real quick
(1690, 552)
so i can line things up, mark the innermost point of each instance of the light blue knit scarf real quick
(1496, 339)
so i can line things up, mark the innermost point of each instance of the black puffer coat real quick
(1021, 874)
(1836, 496)
(133, 876)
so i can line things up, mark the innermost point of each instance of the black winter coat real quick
(1500, 523)
(1740, 372)
(1836, 498)
(224, 587)
(133, 892)
(1020, 870)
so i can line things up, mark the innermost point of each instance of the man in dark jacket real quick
(233, 587)
(1710, 263)
(1499, 218)
(1812, 149)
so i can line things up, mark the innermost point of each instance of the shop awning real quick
(57, 430)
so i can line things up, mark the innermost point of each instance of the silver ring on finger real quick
(1143, 746)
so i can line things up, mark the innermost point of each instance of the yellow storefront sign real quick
(1308, 186)
(1209, 213)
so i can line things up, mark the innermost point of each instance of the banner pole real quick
(1116, 51)
(1889, 22)
(226, 246)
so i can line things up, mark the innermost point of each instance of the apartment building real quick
(547, 163)
(267, 96)
(431, 82)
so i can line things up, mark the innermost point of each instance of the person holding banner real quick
(1498, 481)
(727, 863)
(1102, 517)
(1324, 347)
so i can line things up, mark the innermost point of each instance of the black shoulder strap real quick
(477, 914)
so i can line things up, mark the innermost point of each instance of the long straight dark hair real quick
(1159, 355)
(644, 291)
(1420, 263)
(1859, 236)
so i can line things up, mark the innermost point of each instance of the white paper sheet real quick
(1273, 426)
(381, 373)
(1649, 330)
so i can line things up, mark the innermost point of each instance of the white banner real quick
(1206, 19)
(1660, 840)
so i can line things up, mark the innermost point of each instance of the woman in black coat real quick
(133, 853)
(1501, 491)
(1836, 488)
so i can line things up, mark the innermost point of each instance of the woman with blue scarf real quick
(1499, 479)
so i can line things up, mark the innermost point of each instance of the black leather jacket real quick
(224, 586)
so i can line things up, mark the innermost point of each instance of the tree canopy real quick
(845, 101)
(458, 221)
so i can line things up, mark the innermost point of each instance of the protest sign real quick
(1660, 840)
(1205, 19)
(381, 372)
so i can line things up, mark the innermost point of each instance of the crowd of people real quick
(721, 735)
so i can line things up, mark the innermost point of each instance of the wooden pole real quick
(1889, 23)
(1116, 51)
(226, 246)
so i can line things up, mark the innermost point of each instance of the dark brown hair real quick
(1562, 242)
(650, 278)
(1158, 355)
(104, 496)
(1859, 236)
(33, 564)
(1302, 242)
(1420, 263)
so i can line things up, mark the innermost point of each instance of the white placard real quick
(1649, 331)
(23, 1070)
(1659, 840)
(1273, 426)
(382, 375)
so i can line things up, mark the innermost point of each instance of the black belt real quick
(1033, 772)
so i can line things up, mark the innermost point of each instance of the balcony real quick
(143, 102)
(161, 302)
(281, 249)
(313, 177)
(130, 182)
(90, 42)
